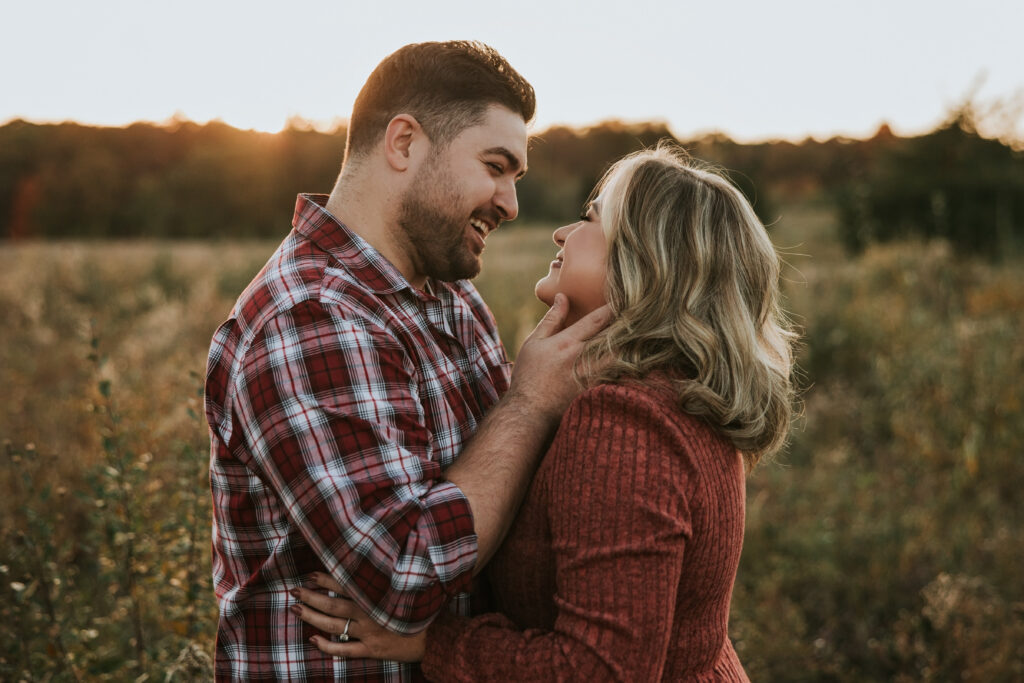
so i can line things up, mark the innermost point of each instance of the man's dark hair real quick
(446, 86)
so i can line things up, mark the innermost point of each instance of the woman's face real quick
(578, 270)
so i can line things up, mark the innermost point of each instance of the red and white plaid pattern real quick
(336, 394)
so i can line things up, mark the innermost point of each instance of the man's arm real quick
(328, 416)
(495, 468)
(332, 419)
(618, 497)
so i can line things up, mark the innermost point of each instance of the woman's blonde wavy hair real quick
(693, 282)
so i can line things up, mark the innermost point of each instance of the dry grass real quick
(884, 545)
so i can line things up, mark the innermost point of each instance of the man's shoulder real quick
(302, 301)
(300, 286)
(301, 275)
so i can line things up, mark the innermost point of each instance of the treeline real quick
(186, 180)
(951, 184)
(212, 180)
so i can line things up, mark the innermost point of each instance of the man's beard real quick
(438, 239)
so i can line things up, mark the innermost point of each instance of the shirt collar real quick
(317, 224)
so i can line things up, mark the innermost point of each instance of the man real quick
(346, 394)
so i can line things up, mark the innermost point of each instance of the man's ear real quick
(404, 142)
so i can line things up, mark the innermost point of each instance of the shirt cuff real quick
(455, 546)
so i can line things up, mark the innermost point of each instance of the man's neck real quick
(368, 208)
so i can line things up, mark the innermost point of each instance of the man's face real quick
(462, 193)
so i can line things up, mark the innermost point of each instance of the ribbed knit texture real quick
(621, 562)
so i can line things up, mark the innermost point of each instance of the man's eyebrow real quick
(512, 159)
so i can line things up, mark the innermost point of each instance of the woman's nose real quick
(561, 233)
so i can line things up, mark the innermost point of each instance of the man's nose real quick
(506, 201)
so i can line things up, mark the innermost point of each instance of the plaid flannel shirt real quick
(336, 394)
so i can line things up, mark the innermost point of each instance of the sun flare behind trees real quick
(212, 181)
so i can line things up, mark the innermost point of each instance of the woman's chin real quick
(544, 293)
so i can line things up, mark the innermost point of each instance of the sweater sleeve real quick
(619, 524)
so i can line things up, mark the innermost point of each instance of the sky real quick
(753, 70)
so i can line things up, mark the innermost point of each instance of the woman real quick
(621, 562)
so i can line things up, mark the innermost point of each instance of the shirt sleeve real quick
(329, 412)
(619, 526)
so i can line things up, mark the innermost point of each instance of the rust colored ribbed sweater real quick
(621, 562)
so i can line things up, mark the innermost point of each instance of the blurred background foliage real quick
(884, 544)
(185, 180)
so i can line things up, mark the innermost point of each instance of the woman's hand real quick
(342, 616)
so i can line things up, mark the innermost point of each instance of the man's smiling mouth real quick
(481, 226)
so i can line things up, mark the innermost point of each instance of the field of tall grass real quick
(884, 544)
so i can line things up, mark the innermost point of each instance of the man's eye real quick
(495, 167)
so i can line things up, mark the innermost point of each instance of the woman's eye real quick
(585, 216)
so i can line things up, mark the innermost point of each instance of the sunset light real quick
(641, 340)
(753, 70)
